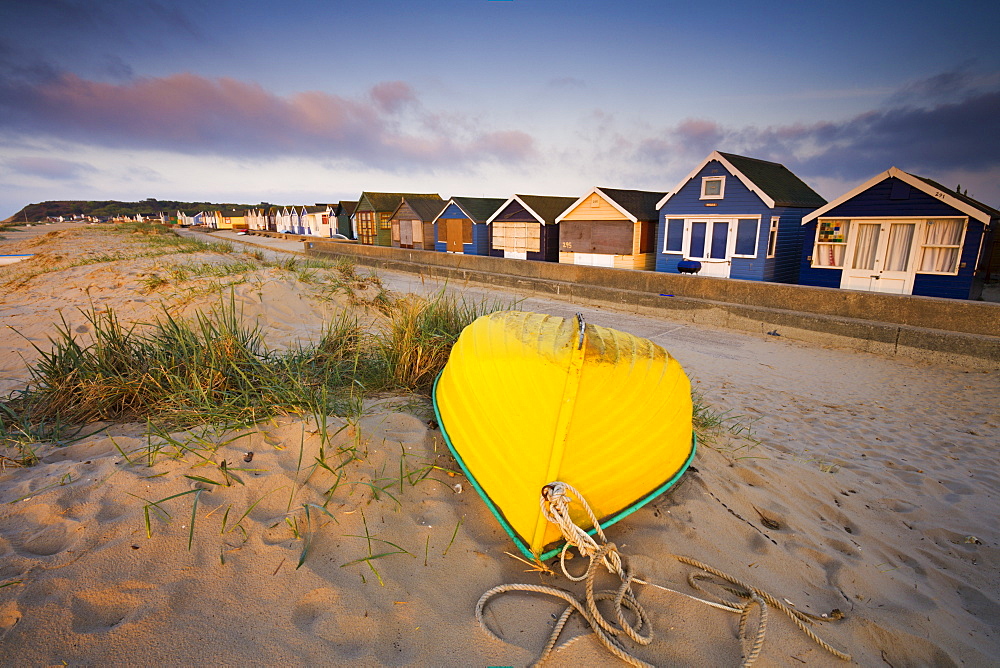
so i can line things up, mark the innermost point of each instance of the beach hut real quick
(345, 210)
(316, 220)
(461, 227)
(373, 215)
(525, 227)
(255, 218)
(610, 228)
(412, 223)
(903, 234)
(231, 219)
(739, 217)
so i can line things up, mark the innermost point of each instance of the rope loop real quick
(555, 501)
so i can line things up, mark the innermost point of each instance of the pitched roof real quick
(346, 207)
(319, 208)
(640, 203)
(389, 201)
(546, 207)
(776, 180)
(425, 207)
(960, 202)
(774, 183)
(479, 209)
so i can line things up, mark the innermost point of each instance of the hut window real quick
(831, 243)
(941, 247)
(366, 226)
(746, 238)
(674, 243)
(385, 220)
(713, 187)
(772, 237)
(517, 237)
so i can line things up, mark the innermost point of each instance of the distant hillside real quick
(111, 208)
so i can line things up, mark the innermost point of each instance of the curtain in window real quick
(830, 255)
(831, 243)
(941, 233)
(900, 243)
(865, 245)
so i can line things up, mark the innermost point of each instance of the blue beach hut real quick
(461, 227)
(739, 217)
(900, 233)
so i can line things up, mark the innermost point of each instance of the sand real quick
(867, 485)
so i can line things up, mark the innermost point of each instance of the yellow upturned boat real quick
(527, 399)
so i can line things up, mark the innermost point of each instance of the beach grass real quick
(724, 431)
(216, 367)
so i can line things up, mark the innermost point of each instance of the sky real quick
(298, 102)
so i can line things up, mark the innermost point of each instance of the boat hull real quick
(527, 399)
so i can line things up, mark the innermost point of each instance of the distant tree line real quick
(113, 208)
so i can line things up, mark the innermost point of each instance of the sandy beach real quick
(849, 485)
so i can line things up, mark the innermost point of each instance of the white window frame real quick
(846, 223)
(666, 235)
(732, 221)
(964, 222)
(734, 228)
(921, 233)
(722, 187)
(772, 237)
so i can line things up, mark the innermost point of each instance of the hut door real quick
(454, 235)
(880, 257)
(405, 234)
(708, 242)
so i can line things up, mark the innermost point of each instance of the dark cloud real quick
(945, 87)
(192, 114)
(116, 69)
(84, 22)
(963, 135)
(958, 135)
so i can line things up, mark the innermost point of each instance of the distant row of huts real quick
(735, 216)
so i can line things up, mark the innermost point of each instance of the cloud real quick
(392, 96)
(188, 113)
(55, 169)
(962, 134)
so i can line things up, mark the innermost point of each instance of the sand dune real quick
(863, 484)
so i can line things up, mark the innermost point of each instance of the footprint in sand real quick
(321, 613)
(10, 614)
(45, 534)
(101, 610)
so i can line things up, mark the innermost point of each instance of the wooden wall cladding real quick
(613, 237)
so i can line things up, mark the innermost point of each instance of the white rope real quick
(555, 501)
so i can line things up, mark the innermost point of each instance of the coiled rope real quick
(555, 501)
